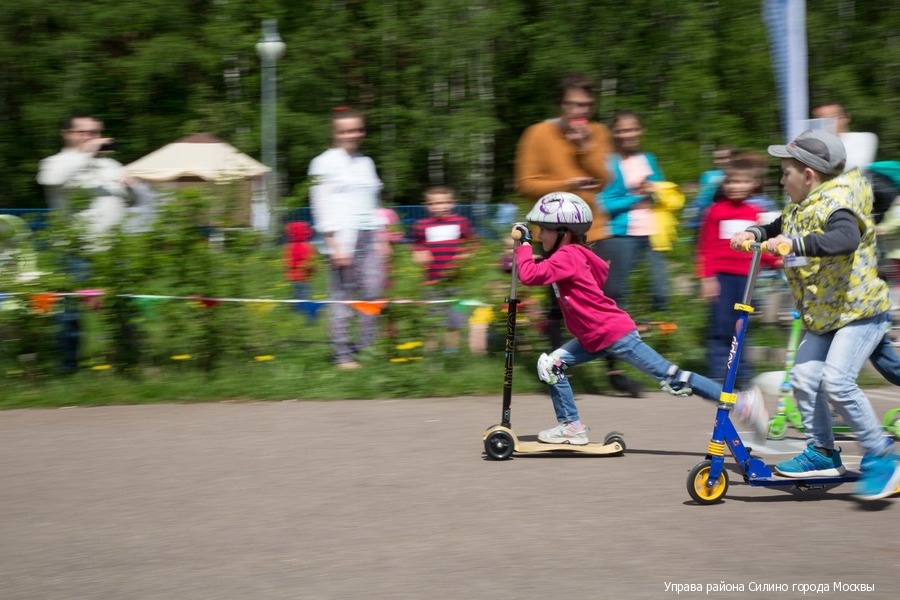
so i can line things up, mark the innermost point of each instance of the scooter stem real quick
(512, 303)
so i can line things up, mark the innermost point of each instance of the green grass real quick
(285, 378)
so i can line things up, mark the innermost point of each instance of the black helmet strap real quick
(560, 232)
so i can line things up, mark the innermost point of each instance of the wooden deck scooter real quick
(499, 440)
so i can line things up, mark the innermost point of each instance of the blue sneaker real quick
(870, 459)
(880, 477)
(867, 462)
(812, 464)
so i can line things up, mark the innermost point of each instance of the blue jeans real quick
(634, 351)
(825, 370)
(886, 361)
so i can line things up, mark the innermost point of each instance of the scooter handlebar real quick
(782, 249)
(521, 233)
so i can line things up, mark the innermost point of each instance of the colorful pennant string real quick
(310, 308)
(43, 302)
(93, 299)
(372, 307)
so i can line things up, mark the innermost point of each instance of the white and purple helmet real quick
(561, 210)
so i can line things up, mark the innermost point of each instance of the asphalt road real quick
(394, 500)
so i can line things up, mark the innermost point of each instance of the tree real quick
(448, 85)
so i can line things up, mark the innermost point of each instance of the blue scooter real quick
(707, 482)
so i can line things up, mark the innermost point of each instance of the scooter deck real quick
(807, 482)
(802, 481)
(592, 448)
(501, 443)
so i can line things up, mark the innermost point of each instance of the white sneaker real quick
(564, 434)
(750, 408)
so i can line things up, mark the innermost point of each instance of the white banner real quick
(786, 28)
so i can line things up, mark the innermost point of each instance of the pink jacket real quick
(579, 274)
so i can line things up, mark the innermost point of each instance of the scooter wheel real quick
(614, 439)
(697, 488)
(499, 445)
(611, 435)
(777, 429)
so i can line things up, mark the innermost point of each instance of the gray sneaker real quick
(750, 408)
(564, 434)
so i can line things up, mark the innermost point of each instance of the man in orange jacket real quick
(568, 154)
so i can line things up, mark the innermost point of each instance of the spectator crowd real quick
(637, 218)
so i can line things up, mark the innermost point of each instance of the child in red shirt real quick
(299, 262)
(722, 271)
(440, 243)
(600, 327)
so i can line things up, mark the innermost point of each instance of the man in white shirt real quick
(83, 164)
(861, 146)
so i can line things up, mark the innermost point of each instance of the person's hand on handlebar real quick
(521, 232)
(778, 244)
(738, 239)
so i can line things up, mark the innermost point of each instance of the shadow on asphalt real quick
(793, 494)
(664, 452)
(874, 506)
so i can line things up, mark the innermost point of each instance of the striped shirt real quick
(444, 238)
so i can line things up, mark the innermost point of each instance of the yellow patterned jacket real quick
(832, 291)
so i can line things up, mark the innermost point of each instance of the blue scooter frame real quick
(708, 481)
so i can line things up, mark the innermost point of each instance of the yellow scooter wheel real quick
(697, 488)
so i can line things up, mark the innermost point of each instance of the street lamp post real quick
(270, 48)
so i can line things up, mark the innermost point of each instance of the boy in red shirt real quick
(722, 271)
(299, 262)
(439, 244)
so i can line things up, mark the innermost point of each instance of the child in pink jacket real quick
(600, 327)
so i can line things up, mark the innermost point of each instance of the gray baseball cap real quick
(816, 149)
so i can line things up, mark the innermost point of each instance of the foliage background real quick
(448, 84)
